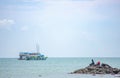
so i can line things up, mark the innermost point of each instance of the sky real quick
(62, 28)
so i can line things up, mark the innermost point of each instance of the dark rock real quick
(97, 69)
(116, 71)
(40, 75)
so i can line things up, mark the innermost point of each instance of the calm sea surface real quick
(51, 68)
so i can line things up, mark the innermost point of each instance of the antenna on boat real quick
(37, 48)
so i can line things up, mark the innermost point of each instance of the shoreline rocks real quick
(97, 69)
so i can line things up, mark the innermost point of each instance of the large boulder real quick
(97, 69)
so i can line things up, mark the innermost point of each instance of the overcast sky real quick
(62, 28)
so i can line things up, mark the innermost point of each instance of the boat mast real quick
(37, 48)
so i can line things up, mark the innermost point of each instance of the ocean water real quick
(51, 68)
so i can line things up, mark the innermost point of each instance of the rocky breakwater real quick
(97, 69)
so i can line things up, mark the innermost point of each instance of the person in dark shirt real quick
(93, 63)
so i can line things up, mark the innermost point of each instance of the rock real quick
(119, 72)
(105, 65)
(40, 75)
(116, 71)
(96, 69)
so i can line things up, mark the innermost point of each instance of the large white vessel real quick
(32, 55)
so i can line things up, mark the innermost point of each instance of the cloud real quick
(32, 0)
(24, 28)
(67, 10)
(83, 9)
(6, 23)
(108, 2)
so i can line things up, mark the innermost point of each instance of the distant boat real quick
(32, 55)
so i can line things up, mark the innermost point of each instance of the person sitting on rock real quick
(93, 63)
(98, 63)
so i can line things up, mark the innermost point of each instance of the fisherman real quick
(93, 63)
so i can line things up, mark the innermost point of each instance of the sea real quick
(52, 67)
